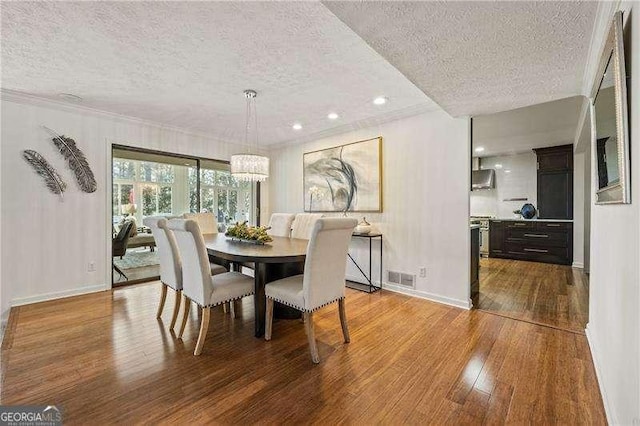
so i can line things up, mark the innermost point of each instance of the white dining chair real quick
(303, 225)
(170, 263)
(280, 224)
(323, 281)
(198, 285)
(208, 225)
(206, 221)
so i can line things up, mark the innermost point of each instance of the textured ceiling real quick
(522, 129)
(186, 64)
(480, 57)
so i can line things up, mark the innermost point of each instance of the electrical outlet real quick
(423, 272)
(91, 267)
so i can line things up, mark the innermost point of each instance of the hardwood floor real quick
(542, 293)
(104, 358)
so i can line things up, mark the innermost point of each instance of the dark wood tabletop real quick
(280, 250)
(281, 258)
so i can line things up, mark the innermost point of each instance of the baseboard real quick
(428, 296)
(578, 265)
(58, 295)
(596, 365)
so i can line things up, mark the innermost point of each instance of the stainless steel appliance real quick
(483, 221)
(481, 178)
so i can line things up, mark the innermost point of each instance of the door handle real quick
(537, 250)
(537, 235)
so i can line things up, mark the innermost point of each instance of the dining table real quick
(281, 258)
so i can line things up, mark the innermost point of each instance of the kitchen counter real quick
(513, 219)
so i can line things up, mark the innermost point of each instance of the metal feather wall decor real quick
(51, 178)
(76, 160)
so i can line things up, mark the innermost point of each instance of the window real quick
(151, 187)
(223, 195)
(156, 184)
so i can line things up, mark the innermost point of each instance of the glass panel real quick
(147, 172)
(165, 173)
(149, 200)
(124, 169)
(114, 201)
(164, 200)
(233, 206)
(223, 208)
(224, 178)
(246, 205)
(208, 177)
(126, 194)
(206, 200)
(193, 190)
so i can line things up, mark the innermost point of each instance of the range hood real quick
(481, 178)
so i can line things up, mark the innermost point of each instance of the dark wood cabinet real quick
(548, 242)
(555, 182)
(496, 238)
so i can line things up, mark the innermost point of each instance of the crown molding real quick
(14, 96)
(29, 99)
(359, 125)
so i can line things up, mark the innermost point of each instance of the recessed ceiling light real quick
(380, 100)
(297, 126)
(70, 97)
(498, 166)
(332, 116)
(507, 171)
(480, 149)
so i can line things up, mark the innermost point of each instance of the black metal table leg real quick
(381, 244)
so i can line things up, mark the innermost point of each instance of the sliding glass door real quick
(147, 183)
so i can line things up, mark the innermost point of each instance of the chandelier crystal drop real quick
(250, 167)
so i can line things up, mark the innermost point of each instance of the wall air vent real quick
(394, 277)
(402, 279)
(408, 280)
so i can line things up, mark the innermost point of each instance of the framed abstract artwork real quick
(346, 178)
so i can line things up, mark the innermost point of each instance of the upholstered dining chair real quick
(119, 245)
(206, 221)
(170, 263)
(280, 224)
(198, 285)
(303, 225)
(323, 281)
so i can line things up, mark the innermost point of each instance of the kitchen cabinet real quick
(538, 241)
(555, 182)
(496, 238)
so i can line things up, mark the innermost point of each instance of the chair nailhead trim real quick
(303, 309)
(228, 300)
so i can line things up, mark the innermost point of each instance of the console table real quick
(371, 286)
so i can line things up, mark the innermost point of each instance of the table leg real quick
(259, 299)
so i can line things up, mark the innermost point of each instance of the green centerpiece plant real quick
(255, 234)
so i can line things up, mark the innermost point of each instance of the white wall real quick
(614, 299)
(426, 206)
(516, 179)
(47, 244)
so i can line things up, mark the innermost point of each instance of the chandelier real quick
(250, 167)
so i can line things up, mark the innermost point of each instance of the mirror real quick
(611, 122)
